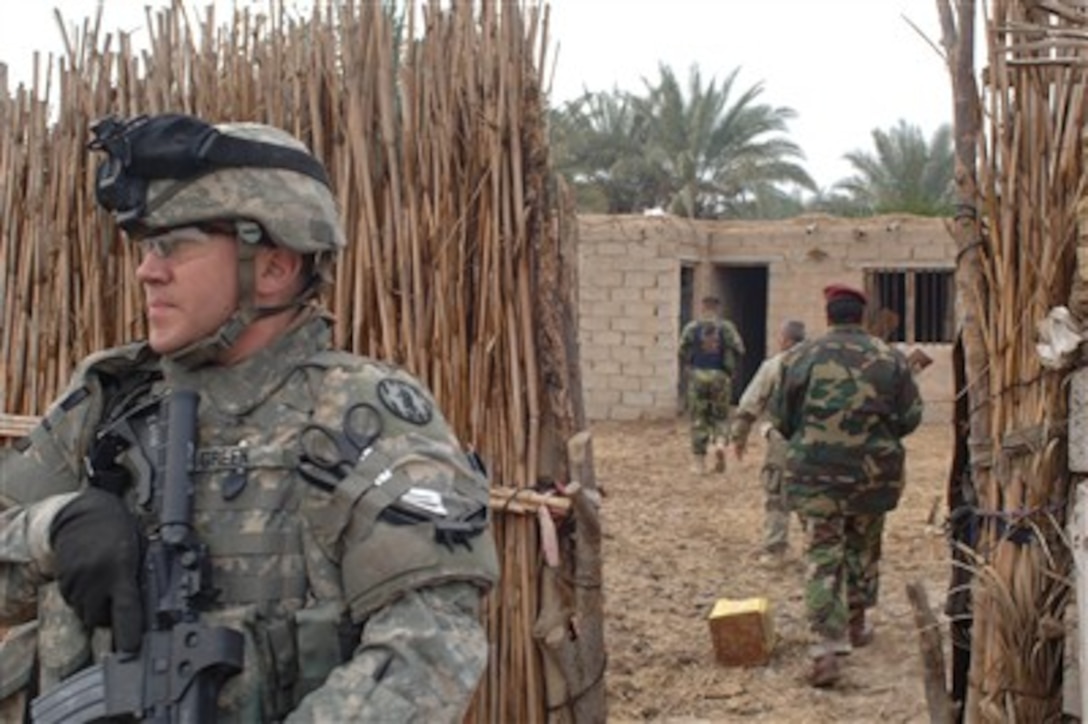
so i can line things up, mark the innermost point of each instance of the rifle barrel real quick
(177, 504)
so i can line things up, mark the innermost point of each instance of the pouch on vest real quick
(324, 640)
(296, 652)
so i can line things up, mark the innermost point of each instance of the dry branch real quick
(929, 642)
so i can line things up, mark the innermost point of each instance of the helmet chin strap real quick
(209, 349)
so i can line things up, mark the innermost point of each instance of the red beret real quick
(841, 291)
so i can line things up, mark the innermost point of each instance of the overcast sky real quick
(845, 66)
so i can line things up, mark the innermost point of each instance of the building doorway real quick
(743, 290)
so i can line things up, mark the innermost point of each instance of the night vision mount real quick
(179, 147)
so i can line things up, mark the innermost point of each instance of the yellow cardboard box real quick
(742, 631)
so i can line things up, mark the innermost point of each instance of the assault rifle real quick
(182, 664)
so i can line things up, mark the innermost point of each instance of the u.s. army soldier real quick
(710, 349)
(752, 406)
(355, 587)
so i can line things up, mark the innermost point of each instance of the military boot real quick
(718, 446)
(698, 464)
(772, 560)
(861, 631)
(824, 671)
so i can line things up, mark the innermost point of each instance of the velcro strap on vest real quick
(228, 543)
(256, 588)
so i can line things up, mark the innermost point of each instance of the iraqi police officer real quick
(844, 403)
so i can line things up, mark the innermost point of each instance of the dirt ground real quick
(675, 542)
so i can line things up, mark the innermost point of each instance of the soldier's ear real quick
(278, 273)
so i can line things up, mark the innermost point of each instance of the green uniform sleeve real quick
(734, 347)
(735, 340)
(687, 337)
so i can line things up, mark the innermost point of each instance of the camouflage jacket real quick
(711, 345)
(843, 403)
(753, 404)
(288, 557)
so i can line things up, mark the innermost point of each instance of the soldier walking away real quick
(753, 406)
(710, 349)
(335, 599)
(843, 404)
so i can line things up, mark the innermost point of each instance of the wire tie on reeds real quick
(573, 698)
(513, 496)
(962, 251)
(966, 211)
(583, 582)
(1011, 525)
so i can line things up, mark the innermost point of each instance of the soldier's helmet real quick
(295, 210)
(171, 170)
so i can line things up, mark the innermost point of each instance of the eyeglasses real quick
(166, 244)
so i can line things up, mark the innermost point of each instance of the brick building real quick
(640, 279)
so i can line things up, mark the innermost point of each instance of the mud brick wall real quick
(630, 292)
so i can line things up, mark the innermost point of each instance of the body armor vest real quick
(246, 510)
(709, 352)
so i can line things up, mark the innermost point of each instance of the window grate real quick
(912, 305)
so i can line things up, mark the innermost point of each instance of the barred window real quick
(912, 305)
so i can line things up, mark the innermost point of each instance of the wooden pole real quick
(929, 642)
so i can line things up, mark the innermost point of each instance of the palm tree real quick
(693, 151)
(906, 174)
(720, 156)
(597, 143)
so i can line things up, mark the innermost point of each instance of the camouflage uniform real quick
(753, 403)
(843, 403)
(278, 544)
(350, 607)
(710, 349)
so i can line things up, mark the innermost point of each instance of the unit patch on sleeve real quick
(405, 401)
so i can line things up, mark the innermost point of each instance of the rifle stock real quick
(182, 663)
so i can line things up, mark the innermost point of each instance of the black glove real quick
(97, 547)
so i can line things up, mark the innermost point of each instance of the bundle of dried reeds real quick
(435, 139)
(1031, 178)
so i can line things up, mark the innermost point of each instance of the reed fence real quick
(461, 266)
(1017, 230)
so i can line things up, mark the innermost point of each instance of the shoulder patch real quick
(405, 400)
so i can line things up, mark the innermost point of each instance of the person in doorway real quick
(844, 403)
(341, 600)
(752, 406)
(710, 350)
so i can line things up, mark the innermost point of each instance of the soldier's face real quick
(190, 284)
